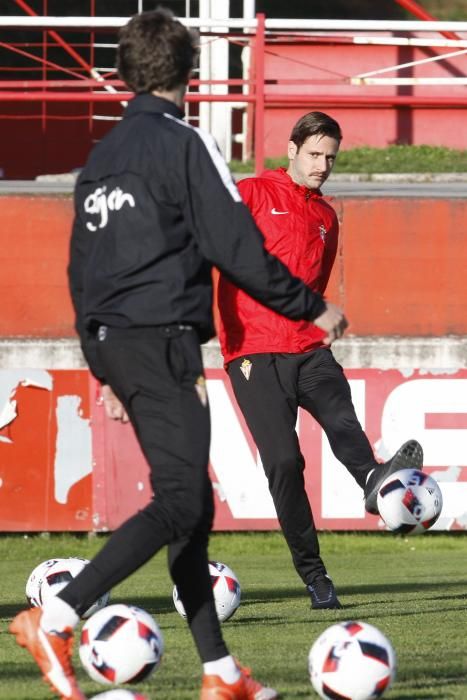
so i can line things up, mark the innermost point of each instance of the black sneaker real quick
(323, 594)
(408, 456)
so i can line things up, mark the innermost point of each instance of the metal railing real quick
(90, 84)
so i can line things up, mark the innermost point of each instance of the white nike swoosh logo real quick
(274, 211)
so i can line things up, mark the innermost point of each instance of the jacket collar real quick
(150, 103)
(281, 176)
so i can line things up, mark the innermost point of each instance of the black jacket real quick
(155, 208)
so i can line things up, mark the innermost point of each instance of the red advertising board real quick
(45, 450)
(64, 466)
(392, 406)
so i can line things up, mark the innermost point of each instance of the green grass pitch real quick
(413, 589)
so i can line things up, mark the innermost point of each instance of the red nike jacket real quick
(301, 229)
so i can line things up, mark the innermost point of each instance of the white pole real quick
(377, 40)
(408, 81)
(249, 9)
(249, 14)
(214, 65)
(441, 57)
(409, 41)
(349, 25)
(204, 67)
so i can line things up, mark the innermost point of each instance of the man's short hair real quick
(312, 124)
(156, 52)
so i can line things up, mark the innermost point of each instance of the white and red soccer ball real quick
(35, 580)
(121, 644)
(225, 587)
(351, 661)
(50, 576)
(410, 501)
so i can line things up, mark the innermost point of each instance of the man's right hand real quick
(113, 406)
(333, 322)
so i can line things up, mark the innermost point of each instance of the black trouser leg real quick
(323, 390)
(154, 375)
(270, 410)
(187, 564)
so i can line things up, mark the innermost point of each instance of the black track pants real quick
(269, 399)
(158, 375)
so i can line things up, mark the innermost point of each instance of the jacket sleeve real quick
(76, 269)
(246, 188)
(229, 238)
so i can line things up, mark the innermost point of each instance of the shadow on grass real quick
(156, 604)
(425, 677)
(153, 604)
(420, 696)
(163, 604)
(7, 612)
(259, 595)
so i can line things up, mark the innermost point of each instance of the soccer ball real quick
(410, 501)
(119, 694)
(351, 661)
(49, 577)
(120, 644)
(34, 582)
(226, 589)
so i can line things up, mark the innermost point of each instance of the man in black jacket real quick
(155, 208)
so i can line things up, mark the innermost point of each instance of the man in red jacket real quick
(277, 365)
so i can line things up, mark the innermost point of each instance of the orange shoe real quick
(246, 688)
(51, 652)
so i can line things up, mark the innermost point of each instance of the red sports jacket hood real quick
(301, 229)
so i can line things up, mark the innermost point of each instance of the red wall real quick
(400, 268)
(325, 69)
(34, 240)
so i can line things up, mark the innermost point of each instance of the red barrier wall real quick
(400, 268)
(34, 240)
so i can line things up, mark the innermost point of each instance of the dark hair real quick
(155, 52)
(312, 124)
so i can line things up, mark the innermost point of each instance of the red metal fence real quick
(386, 82)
